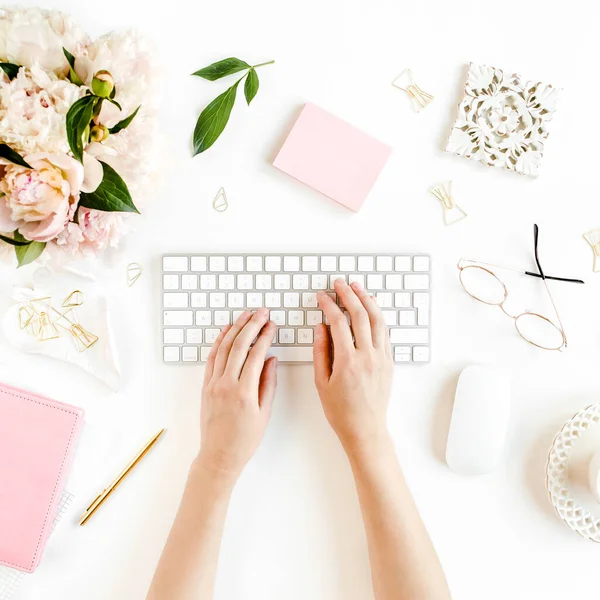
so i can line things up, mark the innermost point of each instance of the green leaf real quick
(111, 195)
(10, 69)
(29, 252)
(125, 122)
(78, 118)
(251, 85)
(213, 119)
(14, 242)
(9, 154)
(73, 77)
(222, 68)
(115, 103)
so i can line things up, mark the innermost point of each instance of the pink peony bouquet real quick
(77, 129)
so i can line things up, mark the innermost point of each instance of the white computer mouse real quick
(479, 421)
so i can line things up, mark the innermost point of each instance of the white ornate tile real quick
(503, 120)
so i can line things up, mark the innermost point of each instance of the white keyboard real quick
(202, 293)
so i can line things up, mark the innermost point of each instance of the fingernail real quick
(357, 286)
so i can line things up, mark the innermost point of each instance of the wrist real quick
(208, 470)
(369, 449)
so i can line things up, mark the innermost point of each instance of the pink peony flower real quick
(40, 201)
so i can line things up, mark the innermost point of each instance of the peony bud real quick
(98, 133)
(103, 84)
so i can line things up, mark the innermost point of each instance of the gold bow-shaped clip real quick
(420, 98)
(452, 212)
(593, 239)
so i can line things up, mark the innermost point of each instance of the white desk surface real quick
(294, 529)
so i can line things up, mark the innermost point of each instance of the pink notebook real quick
(37, 441)
(332, 156)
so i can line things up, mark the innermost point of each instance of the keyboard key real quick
(347, 263)
(272, 264)
(394, 282)
(296, 318)
(204, 352)
(193, 336)
(283, 282)
(235, 300)
(305, 336)
(374, 282)
(310, 263)
(309, 300)
(216, 300)
(175, 263)
(273, 300)
(300, 282)
(403, 349)
(173, 336)
(254, 263)
(366, 263)
(328, 263)
(210, 335)
(245, 282)
(291, 264)
(171, 354)
(278, 317)
(334, 278)
(198, 263)
(421, 263)
(421, 299)
(178, 318)
(170, 282)
(189, 282)
(357, 278)
(175, 300)
(420, 353)
(385, 263)
(416, 282)
(236, 315)
(198, 300)
(264, 282)
(319, 282)
(190, 354)
(314, 317)
(222, 317)
(208, 282)
(203, 317)
(384, 299)
(409, 336)
(235, 264)
(401, 356)
(402, 263)
(216, 263)
(407, 317)
(291, 300)
(292, 354)
(226, 282)
(254, 300)
(286, 336)
(402, 300)
(389, 316)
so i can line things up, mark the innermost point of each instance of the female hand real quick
(353, 378)
(238, 392)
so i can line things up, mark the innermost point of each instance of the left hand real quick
(238, 392)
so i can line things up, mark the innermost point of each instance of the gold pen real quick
(104, 494)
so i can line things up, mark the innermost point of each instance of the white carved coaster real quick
(503, 120)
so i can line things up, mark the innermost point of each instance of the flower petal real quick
(92, 173)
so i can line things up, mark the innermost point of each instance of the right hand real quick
(353, 378)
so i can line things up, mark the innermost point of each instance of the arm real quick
(355, 387)
(239, 387)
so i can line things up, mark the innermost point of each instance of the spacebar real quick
(292, 354)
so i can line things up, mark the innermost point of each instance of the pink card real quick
(332, 156)
(37, 440)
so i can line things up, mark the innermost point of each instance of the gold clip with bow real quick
(593, 239)
(452, 212)
(406, 82)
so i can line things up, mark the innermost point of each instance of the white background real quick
(294, 529)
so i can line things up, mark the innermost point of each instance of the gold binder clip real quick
(83, 339)
(75, 298)
(593, 239)
(26, 315)
(452, 212)
(420, 98)
(46, 328)
(134, 272)
(220, 203)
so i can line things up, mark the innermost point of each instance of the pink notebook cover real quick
(37, 441)
(332, 156)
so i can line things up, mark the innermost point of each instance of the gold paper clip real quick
(420, 98)
(220, 203)
(134, 272)
(452, 212)
(593, 239)
(83, 339)
(26, 315)
(75, 298)
(46, 328)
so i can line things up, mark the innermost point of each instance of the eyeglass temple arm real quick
(553, 278)
(541, 274)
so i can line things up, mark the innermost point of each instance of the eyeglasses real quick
(481, 283)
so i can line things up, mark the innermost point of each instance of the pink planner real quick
(37, 441)
(332, 156)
